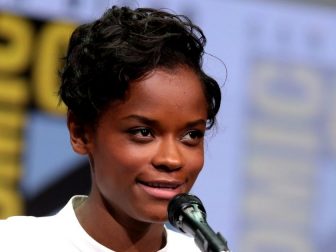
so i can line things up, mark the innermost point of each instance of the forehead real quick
(175, 85)
(164, 92)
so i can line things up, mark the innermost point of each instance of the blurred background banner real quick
(269, 180)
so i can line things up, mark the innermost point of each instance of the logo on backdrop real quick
(31, 52)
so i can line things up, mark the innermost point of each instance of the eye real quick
(141, 134)
(193, 137)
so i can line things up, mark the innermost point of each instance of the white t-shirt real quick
(63, 233)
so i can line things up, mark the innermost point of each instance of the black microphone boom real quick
(186, 212)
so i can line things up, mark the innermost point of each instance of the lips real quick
(161, 189)
(163, 185)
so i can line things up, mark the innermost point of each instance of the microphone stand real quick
(205, 238)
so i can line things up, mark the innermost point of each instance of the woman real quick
(138, 104)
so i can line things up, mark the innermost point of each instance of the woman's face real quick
(149, 147)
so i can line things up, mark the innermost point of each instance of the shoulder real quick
(24, 232)
(20, 224)
(180, 242)
(27, 226)
(28, 233)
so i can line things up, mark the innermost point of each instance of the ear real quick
(79, 135)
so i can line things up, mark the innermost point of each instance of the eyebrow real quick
(142, 119)
(152, 122)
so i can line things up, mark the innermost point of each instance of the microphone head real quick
(186, 213)
(185, 206)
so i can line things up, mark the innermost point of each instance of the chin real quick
(158, 221)
(157, 216)
(151, 211)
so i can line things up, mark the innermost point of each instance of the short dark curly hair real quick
(123, 46)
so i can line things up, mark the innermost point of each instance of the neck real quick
(116, 232)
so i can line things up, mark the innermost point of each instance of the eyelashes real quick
(141, 132)
(190, 137)
(193, 137)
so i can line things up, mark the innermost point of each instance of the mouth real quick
(161, 189)
(162, 185)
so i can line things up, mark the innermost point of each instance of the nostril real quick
(166, 168)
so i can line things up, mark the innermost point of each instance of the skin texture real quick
(153, 137)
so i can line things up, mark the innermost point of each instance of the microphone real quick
(186, 212)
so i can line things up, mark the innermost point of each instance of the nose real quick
(169, 156)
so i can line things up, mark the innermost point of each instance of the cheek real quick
(115, 171)
(120, 159)
(196, 165)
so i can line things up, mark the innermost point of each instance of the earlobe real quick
(78, 135)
